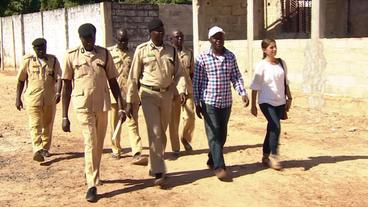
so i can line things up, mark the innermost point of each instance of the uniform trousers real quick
(93, 126)
(188, 118)
(156, 107)
(41, 121)
(133, 131)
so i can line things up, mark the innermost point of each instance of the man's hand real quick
(199, 111)
(253, 110)
(65, 124)
(245, 101)
(57, 98)
(122, 115)
(183, 99)
(129, 110)
(288, 104)
(19, 104)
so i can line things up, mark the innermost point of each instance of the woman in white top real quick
(269, 84)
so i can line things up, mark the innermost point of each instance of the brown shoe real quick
(138, 159)
(274, 162)
(37, 156)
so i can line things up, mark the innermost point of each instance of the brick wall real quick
(231, 15)
(134, 18)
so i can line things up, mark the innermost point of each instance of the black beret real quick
(39, 42)
(87, 30)
(154, 24)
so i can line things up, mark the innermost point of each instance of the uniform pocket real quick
(149, 63)
(34, 72)
(80, 69)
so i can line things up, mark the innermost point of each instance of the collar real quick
(120, 50)
(210, 52)
(153, 46)
(82, 50)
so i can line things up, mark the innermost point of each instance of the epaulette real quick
(142, 45)
(73, 50)
(27, 56)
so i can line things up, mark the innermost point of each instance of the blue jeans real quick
(272, 114)
(215, 122)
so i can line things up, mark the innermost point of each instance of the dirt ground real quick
(324, 153)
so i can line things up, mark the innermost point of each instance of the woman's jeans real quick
(272, 114)
(215, 122)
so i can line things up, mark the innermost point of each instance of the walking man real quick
(154, 74)
(42, 73)
(122, 58)
(90, 67)
(214, 70)
(187, 62)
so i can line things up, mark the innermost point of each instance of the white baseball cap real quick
(214, 30)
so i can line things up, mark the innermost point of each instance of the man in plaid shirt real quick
(214, 70)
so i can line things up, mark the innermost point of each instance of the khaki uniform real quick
(123, 61)
(157, 71)
(40, 76)
(91, 101)
(187, 63)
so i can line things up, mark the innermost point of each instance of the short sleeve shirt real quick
(41, 76)
(268, 80)
(90, 72)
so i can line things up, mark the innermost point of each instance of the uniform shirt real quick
(90, 72)
(122, 61)
(187, 63)
(154, 66)
(40, 76)
(212, 77)
(269, 82)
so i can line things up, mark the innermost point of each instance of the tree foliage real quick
(12, 7)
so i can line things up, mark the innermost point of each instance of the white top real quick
(269, 82)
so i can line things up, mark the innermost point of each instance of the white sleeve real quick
(257, 81)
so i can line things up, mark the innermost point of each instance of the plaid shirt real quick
(212, 77)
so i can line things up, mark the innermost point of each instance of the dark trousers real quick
(215, 122)
(272, 114)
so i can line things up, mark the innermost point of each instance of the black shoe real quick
(45, 153)
(91, 195)
(37, 156)
(160, 179)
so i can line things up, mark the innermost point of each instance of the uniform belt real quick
(154, 88)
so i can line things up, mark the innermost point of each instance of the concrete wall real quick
(340, 68)
(58, 27)
(78, 15)
(55, 29)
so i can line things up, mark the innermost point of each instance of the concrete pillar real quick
(195, 6)
(250, 33)
(106, 20)
(316, 16)
(2, 47)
